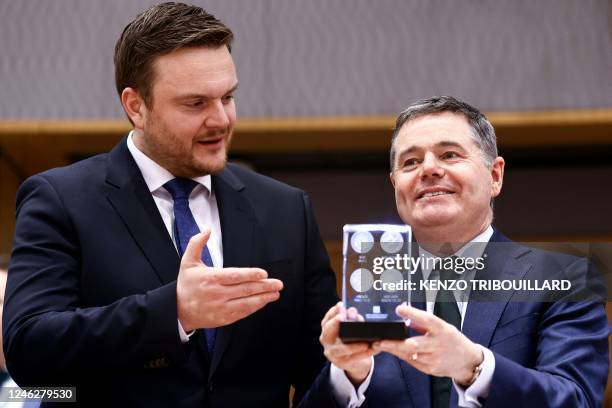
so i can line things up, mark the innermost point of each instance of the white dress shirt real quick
(202, 203)
(346, 394)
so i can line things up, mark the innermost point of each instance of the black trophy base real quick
(372, 331)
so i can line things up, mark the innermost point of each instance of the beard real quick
(185, 156)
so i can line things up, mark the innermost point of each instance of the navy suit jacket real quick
(91, 294)
(550, 353)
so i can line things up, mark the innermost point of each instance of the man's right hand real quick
(354, 358)
(209, 297)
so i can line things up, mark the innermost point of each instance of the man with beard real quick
(157, 274)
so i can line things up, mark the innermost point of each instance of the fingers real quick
(331, 313)
(390, 346)
(240, 308)
(396, 347)
(341, 353)
(353, 315)
(413, 355)
(213, 297)
(330, 325)
(193, 252)
(330, 330)
(420, 320)
(405, 349)
(235, 276)
(246, 289)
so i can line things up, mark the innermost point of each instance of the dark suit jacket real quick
(91, 297)
(551, 353)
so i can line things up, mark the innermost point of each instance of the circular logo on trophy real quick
(391, 242)
(362, 242)
(361, 280)
(391, 276)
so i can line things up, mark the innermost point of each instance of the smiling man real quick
(157, 274)
(468, 348)
(444, 180)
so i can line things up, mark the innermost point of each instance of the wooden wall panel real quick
(9, 181)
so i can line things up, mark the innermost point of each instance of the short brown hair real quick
(160, 30)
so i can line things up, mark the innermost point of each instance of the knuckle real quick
(435, 363)
(234, 276)
(255, 303)
(448, 329)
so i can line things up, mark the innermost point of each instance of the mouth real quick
(429, 193)
(212, 141)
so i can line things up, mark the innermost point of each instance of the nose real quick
(431, 166)
(217, 117)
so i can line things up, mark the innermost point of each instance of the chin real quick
(208, 165)
(433, 220)
(212, 167)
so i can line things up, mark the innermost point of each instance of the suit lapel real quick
(237, 219)
(486, 307)
(483, 312)
(237, 225)
(132, 200)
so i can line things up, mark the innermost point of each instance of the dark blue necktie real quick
(185, 227)
(446, 309)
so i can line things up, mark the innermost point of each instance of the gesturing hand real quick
(209, 297)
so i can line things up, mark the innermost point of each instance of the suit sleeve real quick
(319, 295)
(49, 337)
(321, 394)
(576, 331)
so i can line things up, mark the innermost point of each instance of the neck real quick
(446, 242)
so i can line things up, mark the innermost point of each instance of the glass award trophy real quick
(375, 280)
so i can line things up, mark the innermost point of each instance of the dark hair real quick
(160, 30)
(482, 130)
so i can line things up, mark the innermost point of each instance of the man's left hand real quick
(441, 350)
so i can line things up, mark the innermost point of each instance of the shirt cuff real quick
(472, 396)
(344, 391)
(182, 334)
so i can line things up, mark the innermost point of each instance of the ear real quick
(392, 179)
(497, 176)
(134, 107)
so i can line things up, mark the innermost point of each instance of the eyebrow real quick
(444, 143)
(200, 96)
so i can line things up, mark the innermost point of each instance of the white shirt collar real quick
(155, 175)
(473, 249)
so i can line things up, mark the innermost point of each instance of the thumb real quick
(193, 252)
(417, 319)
